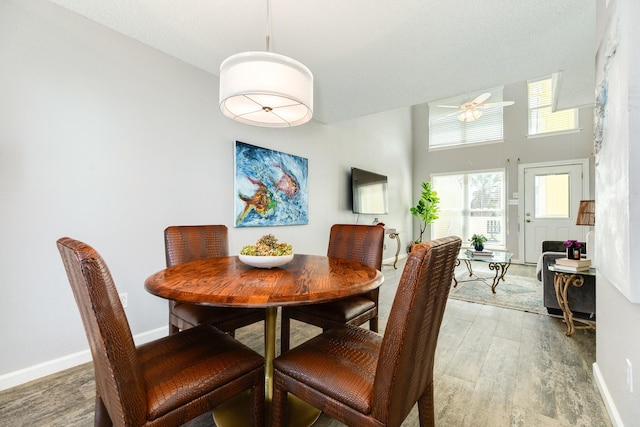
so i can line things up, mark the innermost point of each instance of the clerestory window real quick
(448, 126)
(542, 119)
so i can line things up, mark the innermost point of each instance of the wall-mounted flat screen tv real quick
(369, 192)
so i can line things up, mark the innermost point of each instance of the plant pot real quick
(478, 247)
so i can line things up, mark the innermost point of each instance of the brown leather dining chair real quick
(184, 243)
(165, 382)
(363, 379)
(361, 243)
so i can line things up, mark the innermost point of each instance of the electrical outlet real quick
(123, 299)
(629, 376)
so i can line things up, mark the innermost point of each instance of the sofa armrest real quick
(544, 260)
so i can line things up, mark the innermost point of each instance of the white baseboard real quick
(21, 376)
(389, 261)
(606, 397)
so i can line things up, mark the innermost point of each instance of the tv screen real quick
(369, 192)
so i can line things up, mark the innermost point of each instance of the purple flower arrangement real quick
(573, 248)
(572, 243)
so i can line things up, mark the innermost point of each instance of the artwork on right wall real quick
(617, 101)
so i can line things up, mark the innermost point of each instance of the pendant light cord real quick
(268, 25)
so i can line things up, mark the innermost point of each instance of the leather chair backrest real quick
(184, 243)
(118, 376)
(361, 243)
(405, 364)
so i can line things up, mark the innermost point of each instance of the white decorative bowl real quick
(265, 261)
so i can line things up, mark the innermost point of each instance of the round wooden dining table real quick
(226, 281)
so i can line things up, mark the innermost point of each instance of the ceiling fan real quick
(472, 110)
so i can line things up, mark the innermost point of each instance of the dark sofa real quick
(582, 301)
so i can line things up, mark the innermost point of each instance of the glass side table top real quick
(497, 256)
(590, 272)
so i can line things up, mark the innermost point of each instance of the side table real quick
(562, 281)
(394, 234)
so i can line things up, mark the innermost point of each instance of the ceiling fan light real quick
(466, 116)
(469, 115)
(266, 89)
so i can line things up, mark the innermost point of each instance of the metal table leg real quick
(235, 412)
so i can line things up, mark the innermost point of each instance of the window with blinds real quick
(542, 120)
(445, 130)
(471, 203)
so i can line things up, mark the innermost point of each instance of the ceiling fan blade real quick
(495, 104)
(447, 115)
(481, 98)
(448, 106)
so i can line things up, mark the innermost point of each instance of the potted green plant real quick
(427, 208)
(477, 240)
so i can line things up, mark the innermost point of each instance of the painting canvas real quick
(270, 187)
(616, 191)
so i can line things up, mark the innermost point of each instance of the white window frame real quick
(547, 108)
(439, 228)
(446, 131)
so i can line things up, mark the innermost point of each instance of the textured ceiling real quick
(369, 56)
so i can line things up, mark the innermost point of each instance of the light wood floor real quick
(494, 367)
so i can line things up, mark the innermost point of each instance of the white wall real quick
(108, 141)
(617, 219)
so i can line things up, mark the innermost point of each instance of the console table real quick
(561, 282)
(394, 234)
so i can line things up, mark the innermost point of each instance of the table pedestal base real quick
(235, 413)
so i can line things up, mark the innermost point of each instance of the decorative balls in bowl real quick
(267, 253)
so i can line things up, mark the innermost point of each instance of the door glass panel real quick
(551, 197)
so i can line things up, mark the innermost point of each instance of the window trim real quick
(551, 105)
(504, 209)
(465, 128)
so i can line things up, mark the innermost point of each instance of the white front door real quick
(551, 193)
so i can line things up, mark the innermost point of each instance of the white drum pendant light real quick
(266, 89)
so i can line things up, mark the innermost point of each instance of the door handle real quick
(528, 220)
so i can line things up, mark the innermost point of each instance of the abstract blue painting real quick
(270, 187)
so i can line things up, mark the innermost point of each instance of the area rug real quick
(515, 292)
